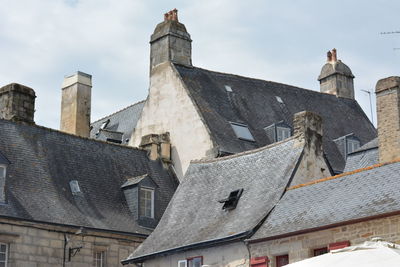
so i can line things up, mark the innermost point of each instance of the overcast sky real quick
(286, 41)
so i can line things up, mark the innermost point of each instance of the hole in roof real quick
(279, 99)
(104, 124)
(232, 200)
(242, 131)
(228, 88)
(74, 185)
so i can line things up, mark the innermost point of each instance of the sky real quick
(286, 41)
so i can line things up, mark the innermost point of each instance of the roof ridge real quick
(269, 81)
(72, 135)
(345, 174)
(118, 111)
(247, 152)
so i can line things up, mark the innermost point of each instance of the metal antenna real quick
(392, 32)
(370, 104)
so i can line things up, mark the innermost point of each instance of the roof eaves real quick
(345, 174)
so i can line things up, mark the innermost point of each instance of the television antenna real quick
(392, 32)
(370, 103)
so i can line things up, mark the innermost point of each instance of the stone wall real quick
(169, 108)
(40, 245)
(302, 246)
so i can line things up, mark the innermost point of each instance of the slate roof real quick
(195, 216)
(253, 102)
(367, 155)
(366, 193)
(122, 122)
(44, 161)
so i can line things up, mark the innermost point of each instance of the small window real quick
(282, 133)
(282, 260)
(320, 251)
(195, 261)
(74, 185)
(352, 145)
(99, 259)
(146, 202)
(232, 200)
(3, 254)
(242, 131)
(182, 263)
(228, 88)
(2, 171)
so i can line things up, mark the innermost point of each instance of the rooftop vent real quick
(230, 203)
(74, 185)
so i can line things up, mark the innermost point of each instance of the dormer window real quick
(352, 145)
(347, 144)
(278, 131)
(242, 131)
(232, 200)
(146, 202)
(2, 171)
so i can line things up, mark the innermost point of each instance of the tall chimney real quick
(17, 103)
(170, 42)
(388, 111)
(75, 104)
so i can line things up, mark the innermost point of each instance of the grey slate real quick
(3, 159)
(365, 156)
(194, 215)
(123, 121)
(44, 161)
(253, 102)
(368, 193)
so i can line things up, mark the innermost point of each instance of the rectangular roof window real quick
(228, 88)
(232, 200)
(75, 189)
(279, 99)
(242, 131)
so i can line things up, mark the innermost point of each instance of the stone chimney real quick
(170, 42)
(76, 103)
(308, 133)
(388, 112)
(17, 103)
(336, 77)
(158, 146)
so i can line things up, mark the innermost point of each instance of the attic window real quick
(104, 124)
(228, 88)
(74, 185)
(352, 145)
(279, 99)
(242, 131)
(282, 133)
(231, 202)
(2, 171)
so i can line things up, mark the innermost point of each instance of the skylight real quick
(228, 88)
(74, 185)
(232, 200)
(242, 131)
(104, 124)
(279, 99)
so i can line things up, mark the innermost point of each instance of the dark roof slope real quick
(44, 161)
(367, 193)
(123, 122)
(194, 215)
(255, 103)
(365, 156)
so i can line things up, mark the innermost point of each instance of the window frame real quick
(103, 259)
(353, 143)
(6, 252)
(182, 261)
(317, 250)
(281, 256)
(192, 258)
(286, 133)
(152, 191)
(239, 136)
(3, 171)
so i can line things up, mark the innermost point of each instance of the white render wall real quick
(169, 108)
(231, 255)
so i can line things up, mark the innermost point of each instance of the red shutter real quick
(259, 262)
(338, 245)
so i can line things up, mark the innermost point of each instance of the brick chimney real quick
(170, 42)
(17, 103)
(308, 133)
(336, 77)
(388, 111)
(158, 146)
(76, 104)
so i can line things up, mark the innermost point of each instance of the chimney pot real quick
(158, 146)
(334, 55)
(329, 56)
